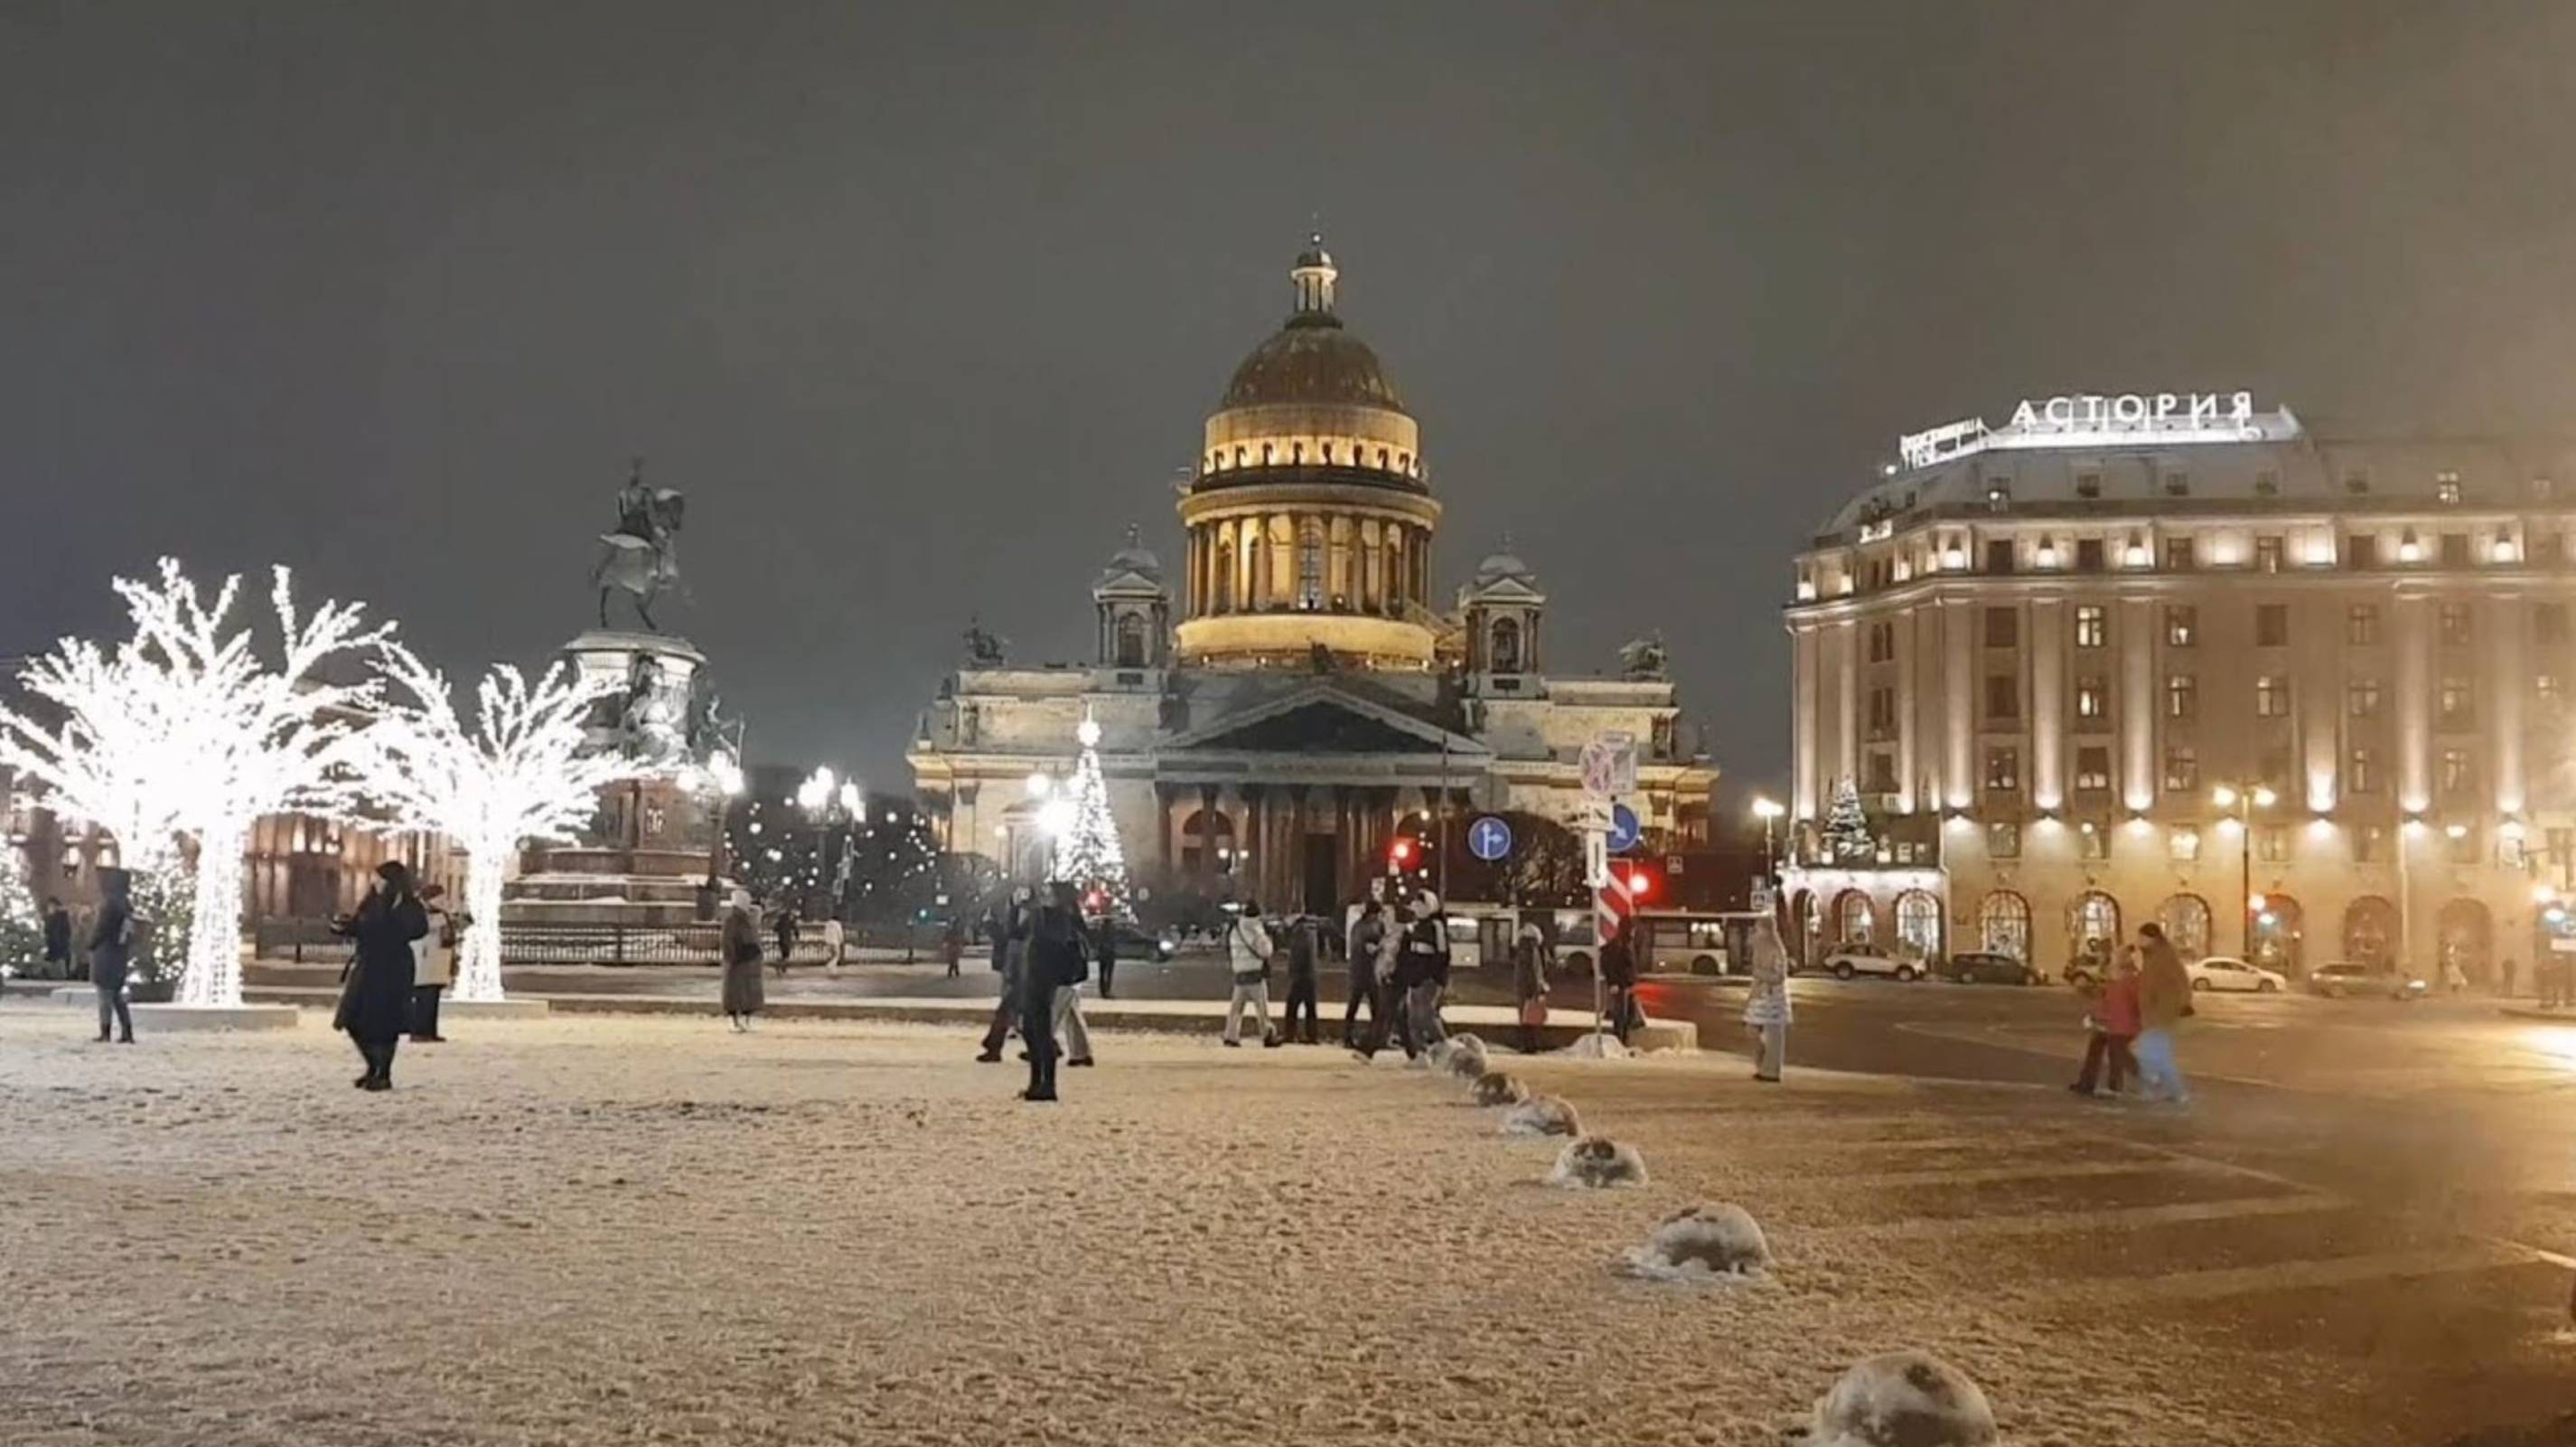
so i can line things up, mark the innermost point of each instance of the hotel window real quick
(2459, 707)
(2361, 550)
(2093, 841)
(1998, 495)
(2457, 628)
(2092, 770)
(1882, 642)
(2092, 700)
(2369, 843)
(2003, 697)
(2182, 625)
(2361, 698)
(2271, 625)
(2003, 769)
(2267, 554)
(2003, 840)
(2549, 623)
(1999, 555)
(2088, 555)
(2182, 769)
(2182, 843)
(2272, 843)
(2182, 696)
(2003, 628)
(2361, 773)
(2361, 625)
(1882, 712)
(2446, 487)
(1882, 773)
(2178, 555)
(2272, 696)
(2177, 484)
(2455, 550)
(2458, 776)
(2092, 625)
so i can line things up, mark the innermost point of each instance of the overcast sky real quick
(922, 305)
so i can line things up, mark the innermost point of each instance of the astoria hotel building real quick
(2177, 658)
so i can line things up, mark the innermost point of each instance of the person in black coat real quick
(1104, 949)
(1058, 956)
(58, 938)
(111, 949)
(375, 1004)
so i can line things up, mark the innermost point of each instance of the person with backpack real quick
(433, 966)
(1057, 961)
(744, 993)
(1248, 948)
(111, 950)
(1304, 950)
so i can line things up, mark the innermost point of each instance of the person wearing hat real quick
(744, 993)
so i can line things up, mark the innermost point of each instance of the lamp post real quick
(1768, 810)
(724, 777)
(2237, 802)
(827, 800)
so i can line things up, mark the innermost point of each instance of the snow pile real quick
(1702, 1244)
(1595, 1161)
(1460, 1055)
(1903, 1399)
(1542, 1115)
(1496, 1088)
(1599, 1046)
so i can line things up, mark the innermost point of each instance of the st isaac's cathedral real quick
(1272, 713)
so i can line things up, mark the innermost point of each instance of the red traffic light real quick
(1400, 852)
(1640, 884)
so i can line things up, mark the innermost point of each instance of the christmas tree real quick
(1847, 836)
(22, 923)
(1087, 851)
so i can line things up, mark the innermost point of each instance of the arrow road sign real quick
(1624, 831)
(1489, 838)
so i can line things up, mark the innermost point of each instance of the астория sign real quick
(2108, 419)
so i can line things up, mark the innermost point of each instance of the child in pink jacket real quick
(2114, 1023)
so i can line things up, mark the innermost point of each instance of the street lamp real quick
(1767, 810)
(2237, 803)
(826, 798)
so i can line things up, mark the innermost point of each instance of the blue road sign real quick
(1489, 838)
(1624, 832)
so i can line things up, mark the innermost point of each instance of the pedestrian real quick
(1248, 948)
(1007, 923)
(2113, 1028)
(783, 925)
(1304, 951)
(433, 966)
(2509, 971)
(952, 944)
(1104, 948)
(2164, 997)
(1398, 971)
(111, 949)
(1426, 970)
(836, 940)
(744, 993)
(2454, 979)
(1055, 965)
(1767, 1009)
(1531, 960)
(1368, 932)
(1618, 967)
(375, 1003)
(58, 940)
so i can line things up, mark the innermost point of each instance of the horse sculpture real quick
(641, 558)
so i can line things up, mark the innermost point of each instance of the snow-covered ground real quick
(620, 1229)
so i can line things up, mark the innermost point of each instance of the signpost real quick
(1609, 765)
(1625, 832)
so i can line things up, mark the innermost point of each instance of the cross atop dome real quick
(1314, 275)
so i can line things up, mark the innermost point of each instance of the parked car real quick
(1136, 944)
(1842, 964)
(1984, 967)
(2226, 972)
(2343, 979)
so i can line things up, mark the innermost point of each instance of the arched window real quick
(2279, 932)
(2370, 932)
(1855, 919)
(2186, 921)
(1806, 924)
(1310, 564)
(2003, 923)
(1207, 842)
(1503, 653)
(1918, 924)
(1131, 641)
(2093, 929)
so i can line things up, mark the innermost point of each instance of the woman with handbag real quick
(744, 993)
(375, 1004)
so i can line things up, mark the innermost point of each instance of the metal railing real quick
(311, 941)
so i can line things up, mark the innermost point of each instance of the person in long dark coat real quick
(375, 1006)
(58, 939)
(1058, 952)
(744, 993)
(111, 949)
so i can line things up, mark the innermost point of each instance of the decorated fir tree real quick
(1847, 837)
(22, 922)
(1087, 851)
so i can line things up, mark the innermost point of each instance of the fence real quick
(304, 940)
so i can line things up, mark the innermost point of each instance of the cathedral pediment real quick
(1323, 720)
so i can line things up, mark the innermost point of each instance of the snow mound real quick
(1542, 1115)
(1595, 1161)
(1903, 1399)
(1496, 1088)
(1460, 1055)
(1597, 1047)
(1705, 1243)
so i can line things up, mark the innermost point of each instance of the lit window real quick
(2093, 770)
(2369, 843)
(2182, 625)
(2272, 696)
(2272, 843)
(2458, 776)
(2092, 627)
(2458, 626)
(2093, 842)
(2459, 707)
(2361, 698)
(2182, 843)
(2092, 699)
(2267, 554)
(2446, 487)
(2182, 769)
(2003, 769)
(2182, 696)
(2003, 839)
(2361, 773)
(2361, 625)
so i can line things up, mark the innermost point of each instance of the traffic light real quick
(1399, 853)
(1641, 884)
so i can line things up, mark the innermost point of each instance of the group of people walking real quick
(1044, 949)
(2132, 1020)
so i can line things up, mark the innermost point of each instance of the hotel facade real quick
(2174, 657)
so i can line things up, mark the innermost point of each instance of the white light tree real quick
(22, 920)
(520, 771)
(1087, 850)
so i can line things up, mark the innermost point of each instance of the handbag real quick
(1534, 1010)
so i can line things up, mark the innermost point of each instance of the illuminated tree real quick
(1086, 846)
(1847, 836)
(521, 771)
(22, 920)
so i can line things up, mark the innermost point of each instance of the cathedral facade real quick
(1278, 708)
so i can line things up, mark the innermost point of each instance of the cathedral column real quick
(1254, 817)
(1295, 875)
(1207, 809)
(1163, 799)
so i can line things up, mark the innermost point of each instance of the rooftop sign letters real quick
(2099, 419)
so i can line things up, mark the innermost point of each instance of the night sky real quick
(923, 305)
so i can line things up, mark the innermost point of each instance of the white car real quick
(2226, 972)
(1844, 963)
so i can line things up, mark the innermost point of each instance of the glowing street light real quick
(2238, 803)
(1767, 810)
